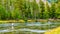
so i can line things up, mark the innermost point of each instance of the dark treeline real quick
(25, 9)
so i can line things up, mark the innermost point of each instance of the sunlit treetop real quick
(52, 1)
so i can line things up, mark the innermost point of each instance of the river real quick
(25, 28)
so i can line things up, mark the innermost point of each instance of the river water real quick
(27, 28)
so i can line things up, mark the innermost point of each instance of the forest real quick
(26, 9)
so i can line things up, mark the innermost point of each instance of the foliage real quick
(25, 9)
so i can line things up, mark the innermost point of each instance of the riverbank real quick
(30, 20)
(54, 31)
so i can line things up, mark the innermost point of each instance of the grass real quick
(11, 21)
(23, 21)
(53, 31)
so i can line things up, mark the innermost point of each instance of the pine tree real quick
(41, 9)
(58, 10)
(47, 10)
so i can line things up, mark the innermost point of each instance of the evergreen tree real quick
(42, 9)
(35, 9)
(58, 10)
(46, 12)
(52, 10)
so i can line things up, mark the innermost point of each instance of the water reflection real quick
(36, 27)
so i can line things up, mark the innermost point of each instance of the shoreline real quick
(31, 20)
